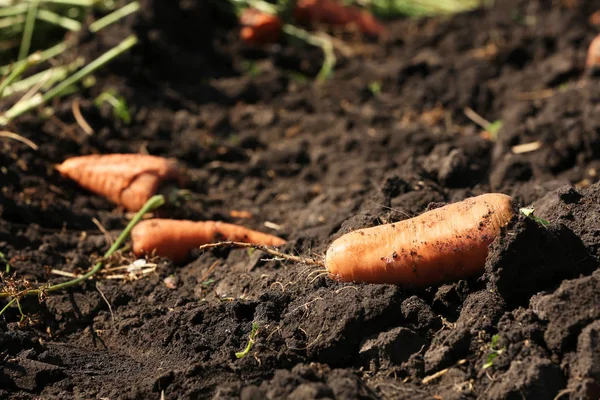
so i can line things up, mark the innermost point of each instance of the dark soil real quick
(319, 161)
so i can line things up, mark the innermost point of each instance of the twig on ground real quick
(526, 147)
(476, 118)
(438, 374)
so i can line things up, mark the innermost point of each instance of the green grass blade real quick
(14, 10)
(57, 90)
(45, 55)
(93, 66)
(64, 22)
(11, 22)
(78, 3)
(329, 59)
(114, 16)
(50, 76)
(421, 8)
(28, 30)
(18, 71)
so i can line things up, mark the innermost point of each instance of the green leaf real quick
(490, 360)
(252, 68)
(495, 339)
(494, 128)
(375, 87)
(528, 212)
(208, 282)
(118, 103)
(494, 352)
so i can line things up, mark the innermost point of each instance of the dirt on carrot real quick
(444, 244)
(128, 180)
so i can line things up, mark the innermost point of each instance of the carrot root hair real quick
(266, 249)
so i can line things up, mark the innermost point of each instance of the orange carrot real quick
(259, 27)
(592, 62)
(331, 12)
(443, 244)
(174, 239)
(128, 180)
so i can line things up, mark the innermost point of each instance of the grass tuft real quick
(59, 80)
(60, 89)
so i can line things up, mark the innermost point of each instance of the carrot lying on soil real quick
(440, 245)
(259, 27)
(174, 239)
(128, 180)
(331, 12)
(446, 243)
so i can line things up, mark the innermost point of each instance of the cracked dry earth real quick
(318, 161)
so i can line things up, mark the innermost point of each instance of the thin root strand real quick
(268, 250)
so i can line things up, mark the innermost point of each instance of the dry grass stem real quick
(79, 117)
(19, 138)
(438, 374)
(526, 147)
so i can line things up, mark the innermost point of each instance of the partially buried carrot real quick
(259, 27)
(443, 244)
(128, 180)
(175, 239)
